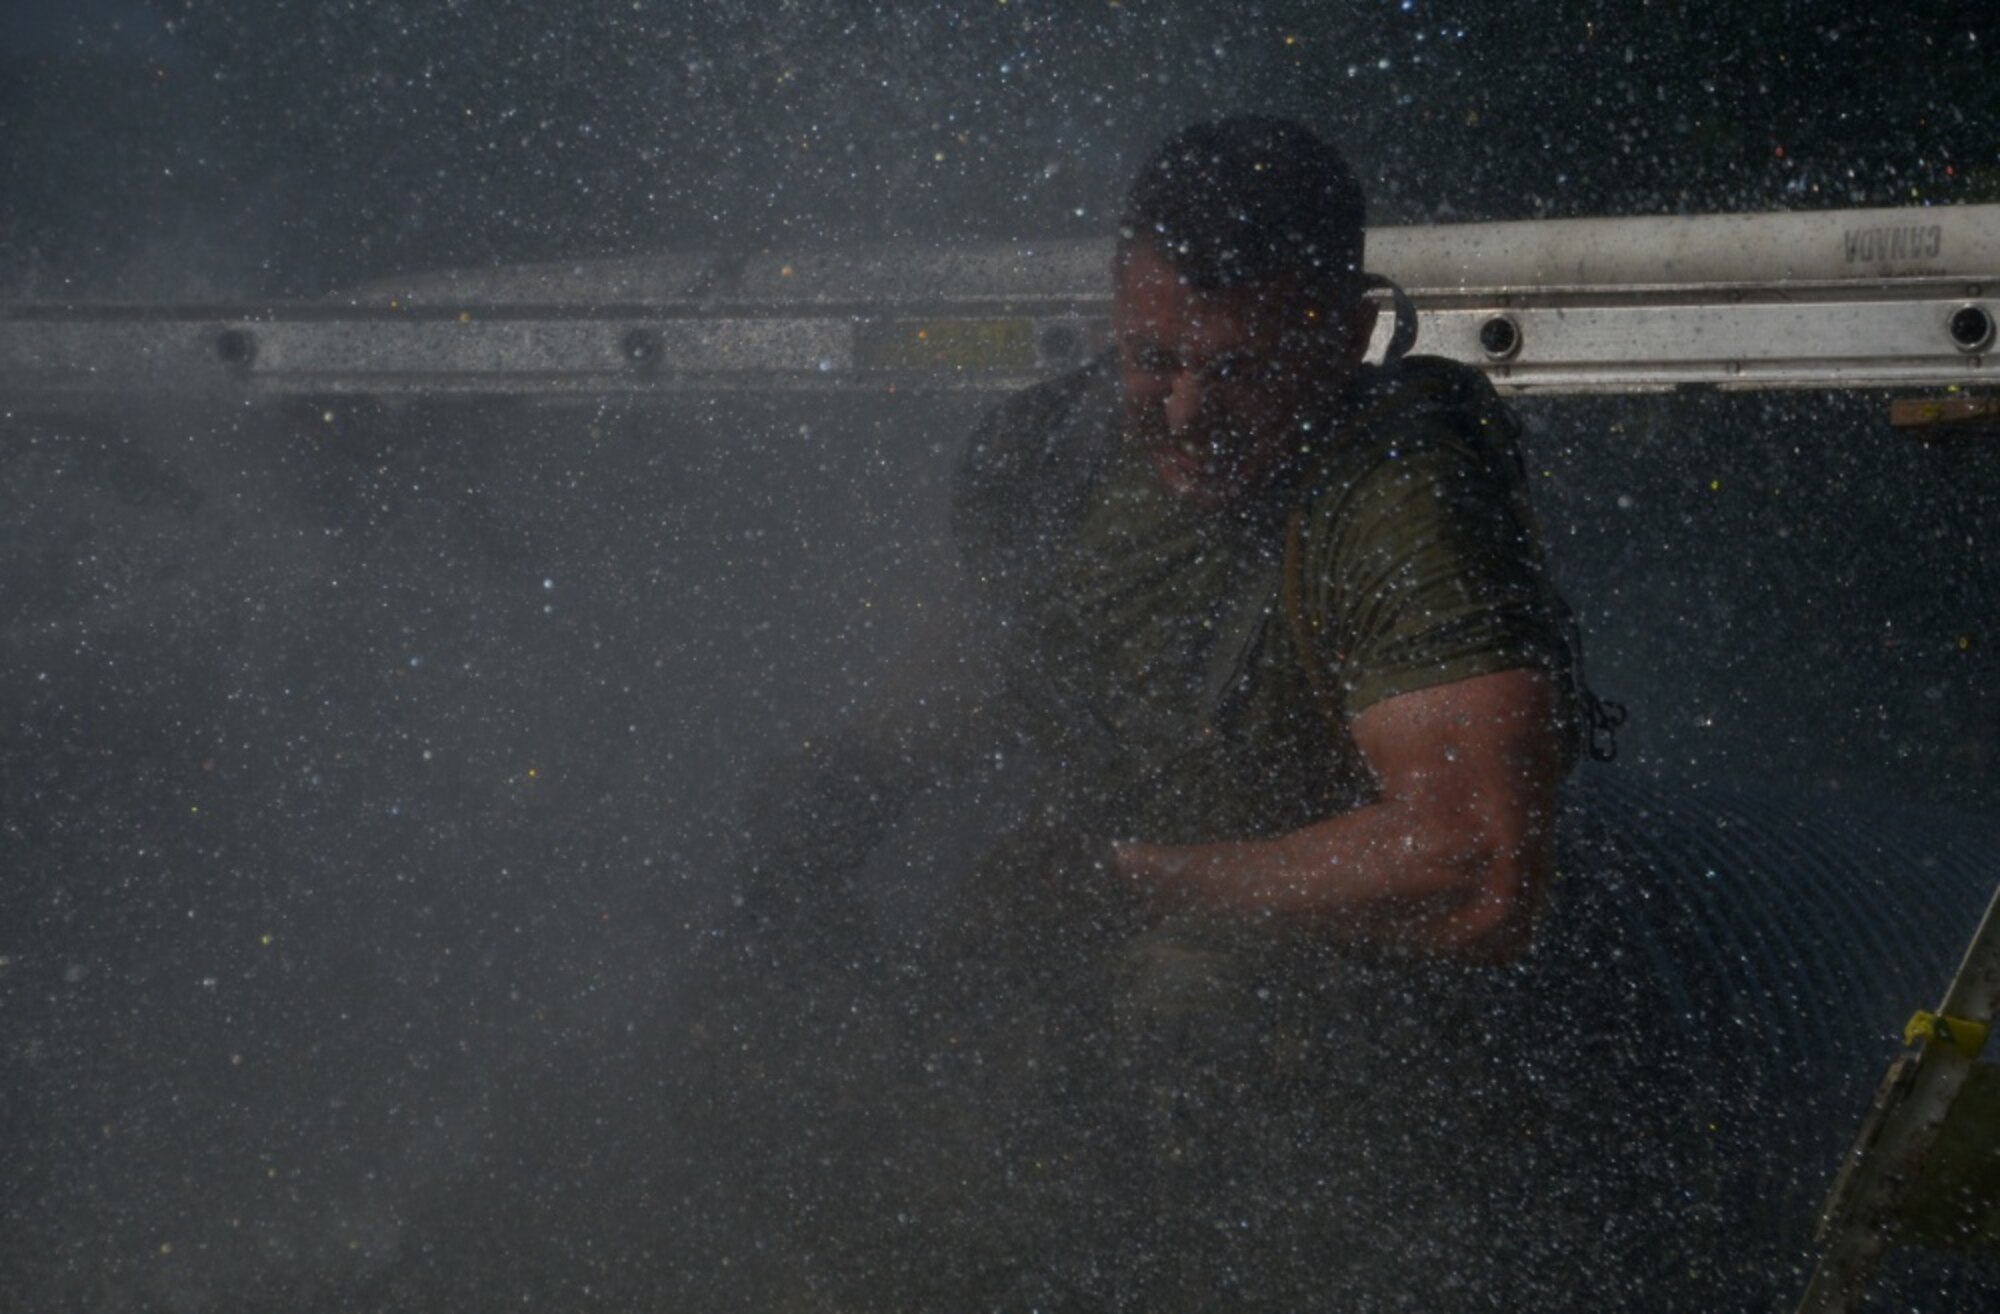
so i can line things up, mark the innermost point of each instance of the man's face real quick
(1215, 383)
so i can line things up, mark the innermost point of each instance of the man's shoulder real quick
(1423, 396)
(1030, 469)
(1417, 548)
(1088, 391)
(1041, 440)
(1422, 414)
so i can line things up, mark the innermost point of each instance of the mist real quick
(387, 785)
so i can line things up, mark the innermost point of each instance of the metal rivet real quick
(1500, 338)
(236, 347)
(1971, 328)
(642, 348)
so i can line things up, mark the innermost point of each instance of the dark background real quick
(359, 775)
(284, 147)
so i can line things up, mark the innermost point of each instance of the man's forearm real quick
(1385, 874)
(1447, 861)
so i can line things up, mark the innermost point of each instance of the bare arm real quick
(1449, 859)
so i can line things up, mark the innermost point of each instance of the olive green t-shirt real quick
(1198, 669)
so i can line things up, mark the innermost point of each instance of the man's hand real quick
(1449, 859)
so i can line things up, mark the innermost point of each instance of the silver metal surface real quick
(1755, 250)
(1836, 299)
(1789, 340)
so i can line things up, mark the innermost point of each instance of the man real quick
(1278, 622)
(1286, 608)
(1273, 620)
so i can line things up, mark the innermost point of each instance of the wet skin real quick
(1216, 383)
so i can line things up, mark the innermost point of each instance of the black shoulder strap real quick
(1239, 631)
(1292, 597)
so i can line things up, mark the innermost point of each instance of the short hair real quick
(1249, 201)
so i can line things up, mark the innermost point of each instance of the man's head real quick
(1238, 301)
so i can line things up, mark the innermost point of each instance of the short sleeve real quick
(1424, 571)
